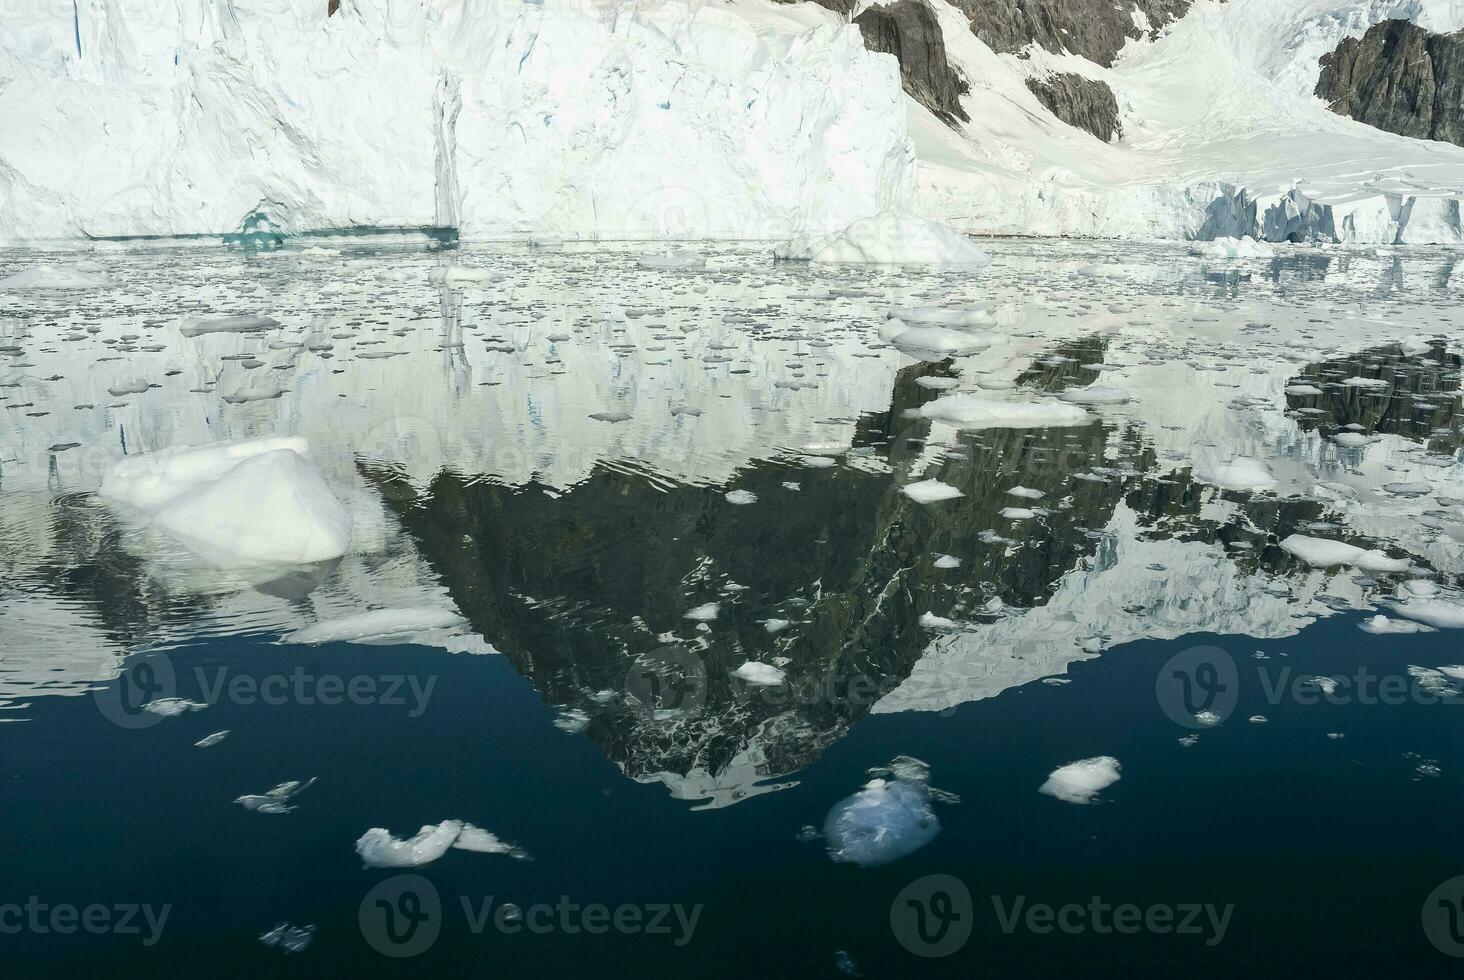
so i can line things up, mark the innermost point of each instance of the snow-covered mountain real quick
(737, 118)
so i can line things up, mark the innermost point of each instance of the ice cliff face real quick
(126, 117)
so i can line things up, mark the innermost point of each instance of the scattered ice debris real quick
(888, 819)
(260, 501)
(673, 260)
(1435, 682)
(706, 612)
(45, 276)
(741, 497)
(930, 491)
(1188, 741)
(276, 800)
(379, 849)
(1381, 625)
(1079, 782)
(759, 674)
(976, 412)
(1324, 553)
(1095, 395)
(401, 625)
(1241, 473)
(845, 964)
(889, 238)
(1235, 248)
(172, 707)
(209, 741)
(931, 621)
(197, 326)
(288, 938)
(481, 841)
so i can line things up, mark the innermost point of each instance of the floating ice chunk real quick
(889, 238)
(1241, 473)
(197, 326)
(941, 340)
(975, 412)
(481, 841)
(930, 491)
(883, 822)
(45, 276)
(931, 621)
(128, 388)
(377, 626)
(1300, 390)
(276, 800)
(379, 849)
(1018, 513)
(937, 383)
(1235, 248)
(244, 503)
(948, 561)
(1439, 613)
(1354, 440)
(1027, 493)
(777, 625)
(209, 741)
(943, 316)
(1095, 395)
(1324, 553)
(1359, 382)
(172, 707)
(741, 497)
(459, 275)
(705, 612)
(759, 674)
(1381, 625)
(1079, 782)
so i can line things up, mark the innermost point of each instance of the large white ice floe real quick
(888, 819)
(890, 238)
(1324, 553)
(965, 411)
(379, 849)
(256, 502)
(678, 118)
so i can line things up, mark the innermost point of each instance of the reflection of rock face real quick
(1400, 78)
(909, 31)
(1413, 396)
(1082, 102)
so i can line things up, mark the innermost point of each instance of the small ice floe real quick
(1027, 493)
(197, 326)
(759, 674)
(673, 261)
(480, 841)
(1095, 395)
(976, 412)
(1079, 782)
(931, 621)
(1435, 682)
(1381, 625)
(1258, 719)
(172, 707)
(209, 741)
(46, 276)
(1354, 440)
(1303, 390)
(930, 491)
(1365, 383)
(611, 416)
(889, 238)
(1324, 553)
(948, 341)
(276, 800)
(1241, 473)
(1018, 513)
(379, 626)
(741, 497)
(288, 938)
(379, 849)
(777, 625)
(945, 316)
(260, 501)
(889, 818)
(1208, 718)
(704, 613)
(937, 383)
(947, 561)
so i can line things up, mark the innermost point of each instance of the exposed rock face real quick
(909, 30)
(1094, 29)
(1400, 78)
(1082, 102)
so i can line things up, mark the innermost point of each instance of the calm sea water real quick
(553, 467)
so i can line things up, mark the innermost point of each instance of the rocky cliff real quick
(1400, 78)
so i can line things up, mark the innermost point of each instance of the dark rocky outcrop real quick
(1095, 29)
(1082, 102)
(909, 30)
(1400, 78)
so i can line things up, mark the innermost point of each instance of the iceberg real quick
(883, 822)
(890, 238)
